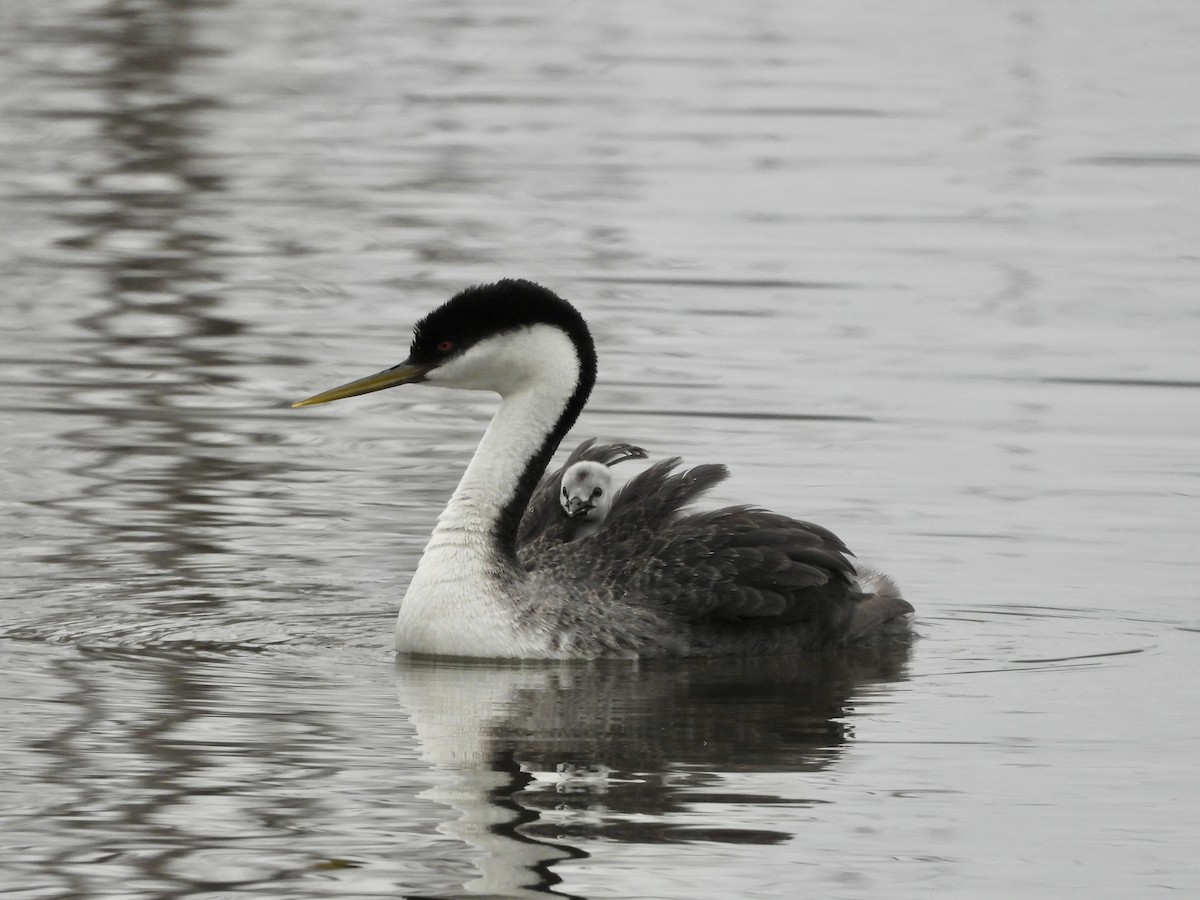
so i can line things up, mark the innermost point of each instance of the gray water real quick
(924, 272)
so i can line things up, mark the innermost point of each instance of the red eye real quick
(445, 346)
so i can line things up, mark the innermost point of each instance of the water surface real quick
(922, 272)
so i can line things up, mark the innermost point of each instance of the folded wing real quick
(736, 566)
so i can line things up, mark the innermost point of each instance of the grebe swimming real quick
(654, 579)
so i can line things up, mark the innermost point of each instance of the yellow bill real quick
(405, 373)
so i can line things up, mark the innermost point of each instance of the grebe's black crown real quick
(487, 310)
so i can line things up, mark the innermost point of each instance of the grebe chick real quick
(586, 496)
(656, 580)
(544, 522)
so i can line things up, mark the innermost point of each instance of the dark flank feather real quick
(718, 574)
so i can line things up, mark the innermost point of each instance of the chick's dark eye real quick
(598, 492)
(445, 346)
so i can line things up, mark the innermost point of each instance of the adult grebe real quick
(653, 580)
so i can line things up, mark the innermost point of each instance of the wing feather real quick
(738, 564)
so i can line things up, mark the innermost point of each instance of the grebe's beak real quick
(405, 373)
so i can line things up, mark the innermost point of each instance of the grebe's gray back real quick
(656, 580)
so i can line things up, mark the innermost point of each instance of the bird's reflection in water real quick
(541, 758)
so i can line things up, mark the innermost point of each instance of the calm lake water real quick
(924, 272)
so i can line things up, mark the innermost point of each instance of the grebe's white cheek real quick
(476, 368)
(510, 362)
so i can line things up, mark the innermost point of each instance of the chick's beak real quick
(578, 507)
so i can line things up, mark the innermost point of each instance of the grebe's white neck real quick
(464, 595)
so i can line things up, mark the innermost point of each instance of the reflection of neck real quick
(452, 710)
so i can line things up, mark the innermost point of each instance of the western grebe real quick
(655, 580)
